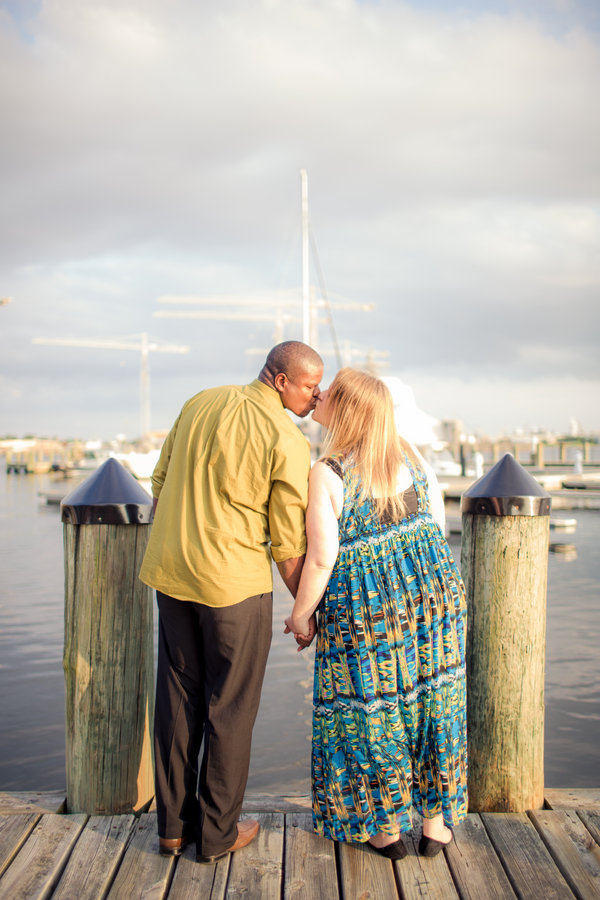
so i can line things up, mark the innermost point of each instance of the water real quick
(572, 692)
(31, 676)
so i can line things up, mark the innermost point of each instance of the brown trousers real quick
(211, 665)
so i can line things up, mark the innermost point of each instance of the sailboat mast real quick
(145, 385)
(305, 268)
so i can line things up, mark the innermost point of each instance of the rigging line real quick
(324, 295)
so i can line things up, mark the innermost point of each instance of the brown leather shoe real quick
(247, 831)
(175, 846)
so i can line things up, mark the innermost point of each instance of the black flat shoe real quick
(397, 850)
(429, 847)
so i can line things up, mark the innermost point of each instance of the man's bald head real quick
(294, 370)
(291, 358)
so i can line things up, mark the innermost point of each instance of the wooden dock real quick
(552, 853)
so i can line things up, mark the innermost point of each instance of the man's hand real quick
(304, 632)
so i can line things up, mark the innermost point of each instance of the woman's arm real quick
(325, 498)
(436, 499)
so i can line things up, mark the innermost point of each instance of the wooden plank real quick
(475, 868)
(591, 820)
(294, 802)
(14, 831)
(419, 877)
(19, 802)
(529, 866)
(310, 870)
(193, 881)
(144, 873)
(39, 864)
(95, 859)
(573, 849)
(562, 798)
(255, 871)
(364, 873)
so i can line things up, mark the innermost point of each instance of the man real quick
(232, 477)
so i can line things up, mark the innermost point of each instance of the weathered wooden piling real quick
(505, 527)
(108, 651)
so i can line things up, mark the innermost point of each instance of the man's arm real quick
(287, 508)
(290, 571)
(160, 470)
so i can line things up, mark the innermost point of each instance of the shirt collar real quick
(267, 394)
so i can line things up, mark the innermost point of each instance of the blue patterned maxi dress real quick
(389, 713)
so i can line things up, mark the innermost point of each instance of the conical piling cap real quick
(110, 496)
(506, 490)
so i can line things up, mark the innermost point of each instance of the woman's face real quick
(322, 412)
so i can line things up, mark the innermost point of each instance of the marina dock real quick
(48, 855)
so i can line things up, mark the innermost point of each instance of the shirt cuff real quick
(280, 554)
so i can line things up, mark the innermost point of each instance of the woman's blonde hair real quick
(363, 426)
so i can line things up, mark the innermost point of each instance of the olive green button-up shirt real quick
(232, 486)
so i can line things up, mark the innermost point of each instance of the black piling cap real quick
(110, 496)
(506, 490)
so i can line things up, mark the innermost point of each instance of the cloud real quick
(452, 160)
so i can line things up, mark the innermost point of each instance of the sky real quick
(154, 148)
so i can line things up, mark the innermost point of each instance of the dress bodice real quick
(359, 519)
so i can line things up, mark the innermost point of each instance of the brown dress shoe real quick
(247, 831)
(175, 846)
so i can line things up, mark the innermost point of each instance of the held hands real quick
(304, 630)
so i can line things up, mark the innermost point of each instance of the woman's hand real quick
(297, 625)
(303, 629)
(321, 554)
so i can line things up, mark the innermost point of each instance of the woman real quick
(389, 715)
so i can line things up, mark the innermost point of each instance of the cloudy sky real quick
(153, 147)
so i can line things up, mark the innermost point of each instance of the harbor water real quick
(31, 674)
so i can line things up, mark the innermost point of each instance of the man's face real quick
(300, 395)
